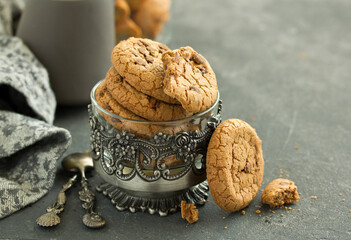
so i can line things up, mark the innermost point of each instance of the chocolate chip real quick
(195, 89)
(153, 51)
(140, 61)
(198, 59)
(149, 59)
(247, 168)
(108, 108)
(157, 105)
(115, 120)
(203, 70)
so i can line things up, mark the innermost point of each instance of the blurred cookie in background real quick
(140, 18)
(151, 16)
(124, 26)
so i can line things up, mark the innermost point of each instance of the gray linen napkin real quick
(29, 145)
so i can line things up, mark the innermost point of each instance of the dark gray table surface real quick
(287, 64)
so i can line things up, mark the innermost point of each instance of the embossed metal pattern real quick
(124, 200)
(113, 148)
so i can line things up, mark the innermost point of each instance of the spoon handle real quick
(90, 219)
(50, 218)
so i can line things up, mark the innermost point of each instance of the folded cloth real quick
(29, 144)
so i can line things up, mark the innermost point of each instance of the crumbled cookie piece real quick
(189, 212)
(190, 79)
(279, 192)
(234, 165)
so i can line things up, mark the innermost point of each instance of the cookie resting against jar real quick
(151, 165)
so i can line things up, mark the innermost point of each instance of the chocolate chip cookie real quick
(139, 62)
(139, 103)
(190, 79)
(234, 165)
(141, 129)
(279, 192)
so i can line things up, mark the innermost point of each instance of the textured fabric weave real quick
(29, 145)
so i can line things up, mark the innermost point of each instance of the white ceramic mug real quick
(73, 39)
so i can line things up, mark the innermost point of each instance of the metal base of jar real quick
(152, 203)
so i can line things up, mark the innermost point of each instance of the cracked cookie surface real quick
(234, 165)
(190, 79)
(279, 192)
(139, 103)
(141, 129)
(139, 62)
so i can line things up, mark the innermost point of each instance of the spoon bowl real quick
(77, 161)
(81, 162)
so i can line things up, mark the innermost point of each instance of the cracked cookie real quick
(190, 79)
(279, 192)
(139, 62)
(105, 100)
(141, 129)
(234, 165)
(139, 103)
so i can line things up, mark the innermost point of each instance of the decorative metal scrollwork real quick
(118, 150)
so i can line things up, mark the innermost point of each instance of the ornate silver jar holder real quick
(152, 175)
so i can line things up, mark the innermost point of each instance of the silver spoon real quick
(51, 218)
(80, 162)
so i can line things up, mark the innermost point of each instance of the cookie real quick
(151, 16)
(135, 4)
(190, 79)
(234, 165)
(140, 129)
(139, 62)
(126, 28)
(279, 192)
(106, 101)
(122, 10)
(139, 103)
(189, 212)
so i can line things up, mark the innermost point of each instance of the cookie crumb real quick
(258, 211)
(289, 208)
(225, 227)
(282, 215)
(223, 218)
(279, 192)
(298, 210)
(343, 199)
(297, 147)
(350, 211)
(252, 119)
(340, 194)
(273, 211)
(189, 212)
(243, 212)
(313, 197)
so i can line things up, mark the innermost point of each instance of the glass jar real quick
(150, 165)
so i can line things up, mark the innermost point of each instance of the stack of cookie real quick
(150, 82)
(140, 18)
